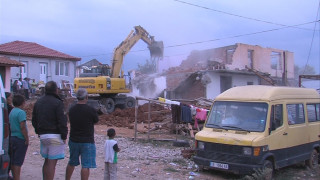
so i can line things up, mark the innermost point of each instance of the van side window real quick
(295, 114)
(313, 112)
(276, 116)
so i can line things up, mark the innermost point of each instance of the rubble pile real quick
(121, 117)
(126, 117)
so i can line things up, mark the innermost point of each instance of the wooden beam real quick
(190, 130)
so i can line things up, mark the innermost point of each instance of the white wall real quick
(242, 80)
(213, 88)
(33, 69)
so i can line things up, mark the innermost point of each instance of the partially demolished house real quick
(86, 66)
(208, 73)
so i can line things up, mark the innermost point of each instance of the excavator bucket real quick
(156, 49)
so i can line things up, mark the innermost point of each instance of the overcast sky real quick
(92, 29)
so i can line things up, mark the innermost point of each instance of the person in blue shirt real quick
(19, 139)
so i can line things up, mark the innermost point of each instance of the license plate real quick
(219, 165)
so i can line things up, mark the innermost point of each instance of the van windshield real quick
(246, 116)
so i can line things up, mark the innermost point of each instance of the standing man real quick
(81, 140)
(34, 86)
(50, 123)
(25, 87)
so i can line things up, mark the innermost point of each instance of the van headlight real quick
(201, 145)
(255, 151)
(247, 151)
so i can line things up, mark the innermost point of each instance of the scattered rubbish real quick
(154, 157)
(173, 164)
(193, 174)
(191, 177)
(181, 143)
(35, 153)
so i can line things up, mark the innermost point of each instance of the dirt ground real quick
(137, 160)
(156, 160)
(140, 159)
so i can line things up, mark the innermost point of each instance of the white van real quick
(252, 128)
(4, 135)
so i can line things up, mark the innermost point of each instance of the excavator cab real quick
(95, 71)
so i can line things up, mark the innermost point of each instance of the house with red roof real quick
(39, 62)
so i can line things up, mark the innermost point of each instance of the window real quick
(230, 55)
(225, 83)
(295, 113)
(243, 116)
(276, 60)
(313, 112)
(276, 116)
(62, 68)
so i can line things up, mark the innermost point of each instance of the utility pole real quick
(284, 73)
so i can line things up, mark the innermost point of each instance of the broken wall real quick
(263, 59)
(214, 88)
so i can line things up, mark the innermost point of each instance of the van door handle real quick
(285, 133)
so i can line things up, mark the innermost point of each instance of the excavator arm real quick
(155, 47)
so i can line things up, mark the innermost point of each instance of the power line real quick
(240, 35)
(240, 16)
(314, 30)
(219, 39)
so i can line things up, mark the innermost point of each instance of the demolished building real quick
(207, 73)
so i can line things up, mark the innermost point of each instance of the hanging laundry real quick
(201, 116)
(176, 113)
(162, 99)
(193, 110)
(172, 102)
(186, 114)
(168, 101)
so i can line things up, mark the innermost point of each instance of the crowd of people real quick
(50, 124)
(25, 87)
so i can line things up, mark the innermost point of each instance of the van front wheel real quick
(267, 170)
(313, 161)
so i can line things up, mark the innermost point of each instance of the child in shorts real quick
(111, 158)
(19, 139)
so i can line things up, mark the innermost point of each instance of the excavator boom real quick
(155, 47)
(108, 90)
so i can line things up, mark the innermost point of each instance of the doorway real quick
(43, 72)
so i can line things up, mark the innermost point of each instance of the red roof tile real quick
(33, 50)
(4, 61)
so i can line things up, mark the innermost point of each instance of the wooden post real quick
(190, 130)
(135, 119)
(149, 117)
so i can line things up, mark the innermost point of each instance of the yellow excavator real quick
(109, 87)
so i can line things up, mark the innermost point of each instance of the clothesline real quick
(180, 111)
